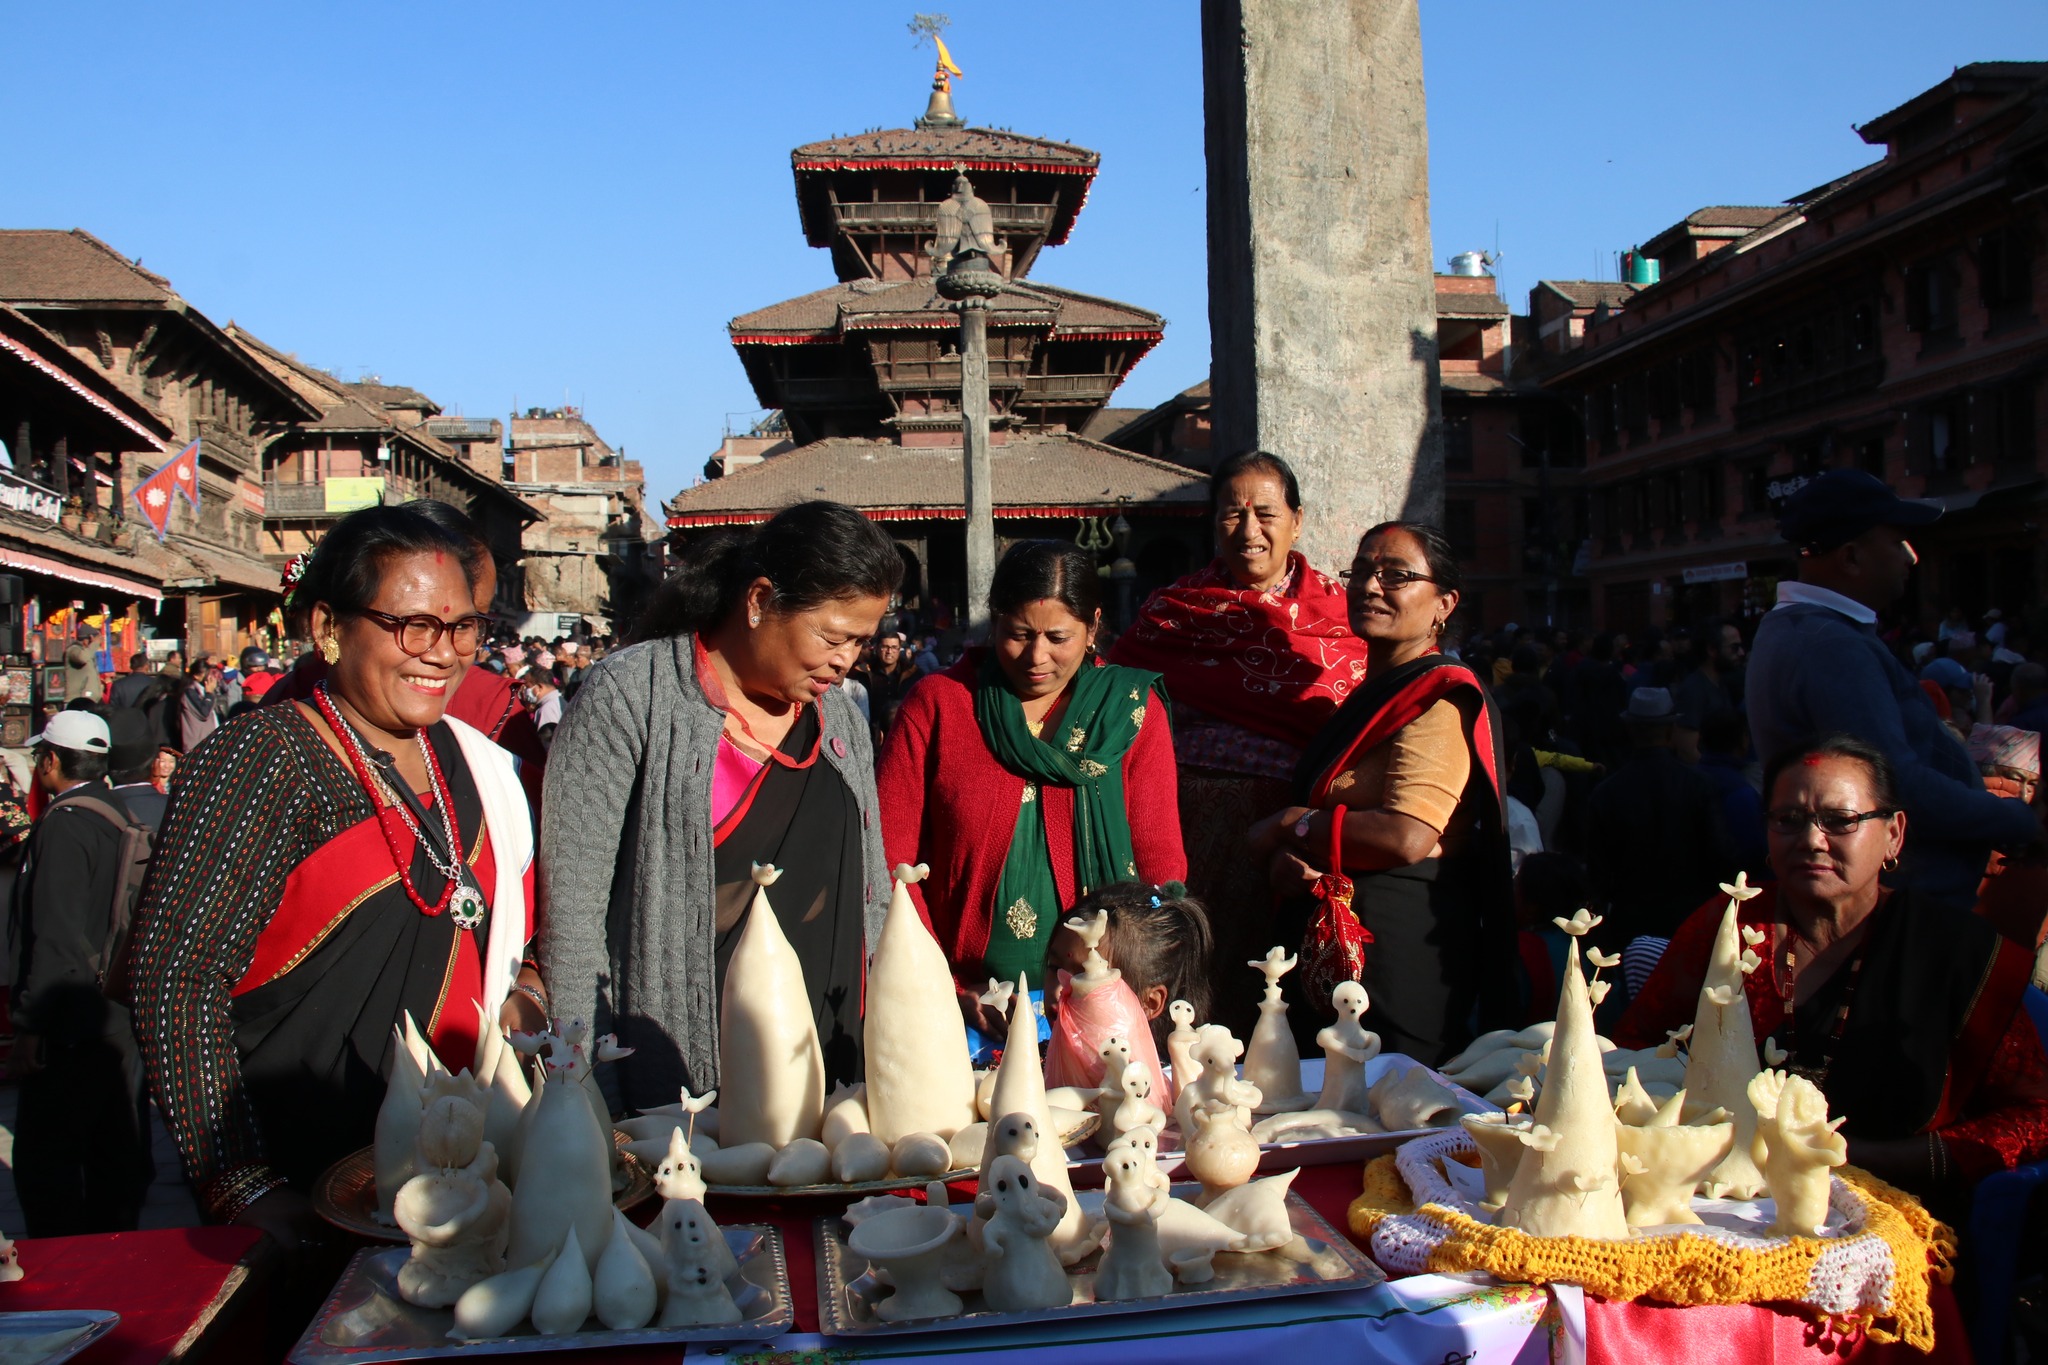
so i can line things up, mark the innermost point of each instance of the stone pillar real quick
(1322, 302)
(980, 481)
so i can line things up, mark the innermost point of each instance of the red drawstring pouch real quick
(1333, 950)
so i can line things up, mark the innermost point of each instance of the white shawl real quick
(509, 819)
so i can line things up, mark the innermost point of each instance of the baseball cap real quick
(80, 731)
(1946, 673)
(1841, 504)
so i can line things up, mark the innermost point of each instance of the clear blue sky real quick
(532, 203)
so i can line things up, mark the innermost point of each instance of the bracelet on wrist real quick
(532, 993)
(228, 1194)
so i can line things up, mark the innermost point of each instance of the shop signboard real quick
(346, 495)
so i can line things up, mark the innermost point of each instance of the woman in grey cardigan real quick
(720, 741)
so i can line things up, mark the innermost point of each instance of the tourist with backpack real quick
(81, 1144)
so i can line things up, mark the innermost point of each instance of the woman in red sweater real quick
(1028, 775)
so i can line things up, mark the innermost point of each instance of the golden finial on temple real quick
(939, 112)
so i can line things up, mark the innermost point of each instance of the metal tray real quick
(96, 1322)
(1079, 1132)
(364, 1319)
(346, 1193)
(847, 1293)
(1086, 1166)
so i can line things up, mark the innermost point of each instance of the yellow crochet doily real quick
(1685, 1270)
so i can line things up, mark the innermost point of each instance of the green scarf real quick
(1103, 714)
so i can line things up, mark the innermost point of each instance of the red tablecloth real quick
(163, 1284)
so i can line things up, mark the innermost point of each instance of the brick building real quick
(596, 554)
(142, 338)
(1891, 320)
(376, 443)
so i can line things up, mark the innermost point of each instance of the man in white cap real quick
(81, 1155)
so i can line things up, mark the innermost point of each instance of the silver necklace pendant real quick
(466, 907)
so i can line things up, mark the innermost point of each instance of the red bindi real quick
(1812, 760)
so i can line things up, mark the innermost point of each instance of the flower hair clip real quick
(294, 574)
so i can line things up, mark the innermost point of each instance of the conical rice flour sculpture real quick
(1020, 1089)
(919, 1077)
(1567, 1183)
(772, 1071)
(1723, 1059)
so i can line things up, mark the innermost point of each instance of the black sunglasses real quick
(1839, 823)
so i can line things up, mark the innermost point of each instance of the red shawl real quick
(1277, 663)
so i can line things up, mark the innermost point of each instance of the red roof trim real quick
(1091, 334)
(691, 519)
(919, 163)
(784, 339)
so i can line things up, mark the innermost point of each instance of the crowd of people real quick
(1268, 754)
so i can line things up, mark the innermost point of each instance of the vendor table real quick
(180, 1292)
(1424, 1318)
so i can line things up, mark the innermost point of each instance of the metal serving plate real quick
(364, 1319)
(1079, 1132)
(16, 1329)
(1086, 1166)
(848, 1293)
(346, 1193)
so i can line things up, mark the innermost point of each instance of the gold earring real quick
(330, 650)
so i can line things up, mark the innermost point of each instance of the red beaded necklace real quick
(391, 816)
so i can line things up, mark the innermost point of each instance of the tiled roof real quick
(394, 396)
(39, 265)
(1105, 421)
(350, 414)
(1591, 293)
(1039, 474)
(944, 145)
(1460, 305)
(1737, 215)
(909, 302)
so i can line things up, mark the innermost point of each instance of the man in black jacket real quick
(81, 1145)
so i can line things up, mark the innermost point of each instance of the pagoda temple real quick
(867, 372)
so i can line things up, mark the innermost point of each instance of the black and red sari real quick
(1441, 962)
(1935, 1041)
(277, 947)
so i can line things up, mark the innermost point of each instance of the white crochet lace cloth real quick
(1855, 1274)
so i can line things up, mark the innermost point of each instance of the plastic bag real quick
(1085, 1022)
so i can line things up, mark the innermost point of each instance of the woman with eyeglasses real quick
(1906, 1014)
(1257, 652)
(326, 867)
(1400, 806)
